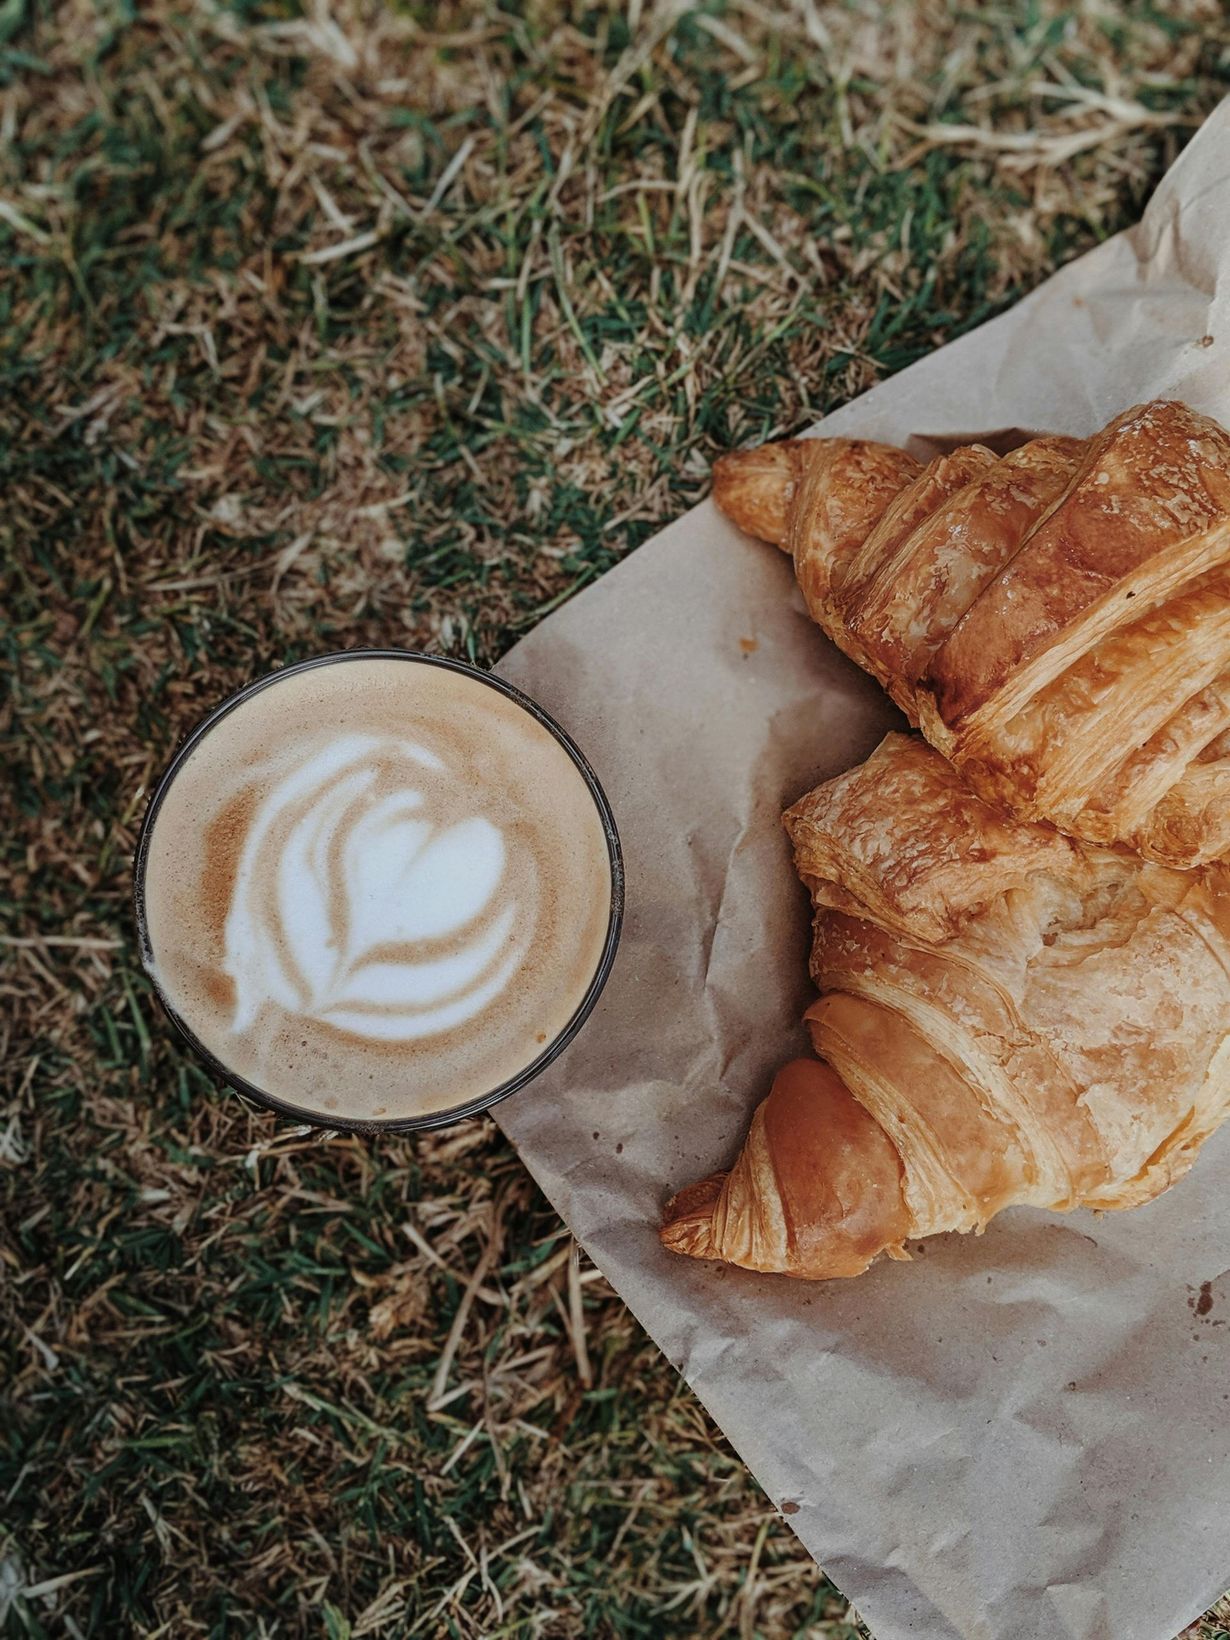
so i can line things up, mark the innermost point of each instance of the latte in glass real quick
(378, 888)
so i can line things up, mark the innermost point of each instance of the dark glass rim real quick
(454, 1113)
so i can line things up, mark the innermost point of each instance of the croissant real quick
(1009, 1017)
(1056, 620)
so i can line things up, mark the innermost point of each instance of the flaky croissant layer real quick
(1056, 620)
(1009, 1017)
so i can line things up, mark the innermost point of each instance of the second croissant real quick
(1008, 1018)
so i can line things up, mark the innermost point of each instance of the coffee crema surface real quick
(376, 888)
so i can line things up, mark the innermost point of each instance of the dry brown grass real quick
(327, 325)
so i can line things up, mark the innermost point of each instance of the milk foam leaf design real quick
(353, 907)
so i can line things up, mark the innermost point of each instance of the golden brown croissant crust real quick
(1057, 620)
(1009, 1017)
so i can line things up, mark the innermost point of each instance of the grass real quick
(330, 325)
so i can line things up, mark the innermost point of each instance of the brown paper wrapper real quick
(1021, 1436)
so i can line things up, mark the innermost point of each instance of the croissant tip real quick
(754, 487)
(687, 1218)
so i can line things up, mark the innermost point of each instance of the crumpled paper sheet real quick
(1023, 1436)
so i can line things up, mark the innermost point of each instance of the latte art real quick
(357, 907)
(376, 889)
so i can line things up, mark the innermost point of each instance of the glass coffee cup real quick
(378, 890)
